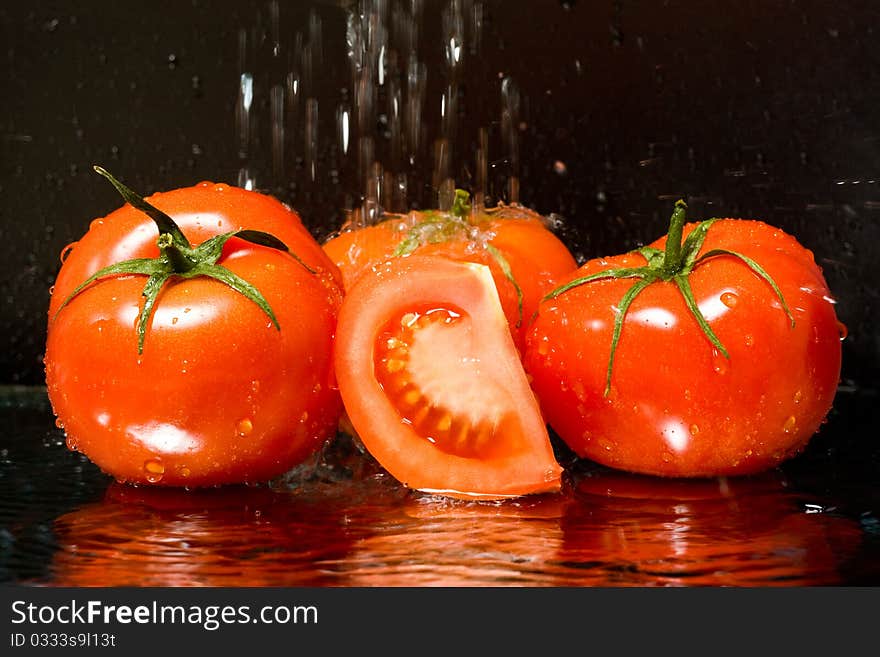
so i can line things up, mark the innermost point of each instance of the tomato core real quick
(433, 395)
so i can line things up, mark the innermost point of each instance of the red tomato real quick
(672, 403)
(219, 394)
(433, 385)
(510, 234)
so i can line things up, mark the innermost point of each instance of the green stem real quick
(675, 264)
(179, 261)
(672, 259)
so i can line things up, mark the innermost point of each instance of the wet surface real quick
(341, 521)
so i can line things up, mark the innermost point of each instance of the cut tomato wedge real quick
(433, 385)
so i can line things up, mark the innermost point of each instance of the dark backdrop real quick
(765, 109)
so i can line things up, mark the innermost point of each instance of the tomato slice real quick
(433, 385)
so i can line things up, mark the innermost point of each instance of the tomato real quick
(433, 385)
(508, 237)
(628, 377)
(211, 389)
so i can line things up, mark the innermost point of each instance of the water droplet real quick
(59, 423)
(154, 470)
(798, 397)
(789, 425)
(729, 299)
(255, 386)
(244, 427)
(65, 252)
(174, 320)
(544, 346)
(183, 471)
(72, 443)
(842, 330)
(719, 363)
(694, 429)
(750, 341)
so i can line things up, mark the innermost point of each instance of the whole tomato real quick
(182, 365)
(523, 254)
(714, 354)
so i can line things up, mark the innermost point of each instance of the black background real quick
(764, 109)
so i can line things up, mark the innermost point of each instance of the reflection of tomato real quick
(219, 393)
(633, 530)
(429, 541)
(432, 383)
(673, 403)
(535, 256)
(230, 536)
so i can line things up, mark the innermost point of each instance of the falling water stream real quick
(398, 133)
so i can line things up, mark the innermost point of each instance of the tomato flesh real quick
(432, 382)
(447, 401)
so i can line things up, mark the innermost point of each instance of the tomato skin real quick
(676, 406)
(537, 258)
(520, 459)
(219, 395)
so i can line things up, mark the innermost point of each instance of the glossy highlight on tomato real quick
(433, 385)
(674, 403)
(220, 393)
(508, 235)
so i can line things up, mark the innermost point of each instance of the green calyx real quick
(436, 227)
(179, 259)
(673, 264)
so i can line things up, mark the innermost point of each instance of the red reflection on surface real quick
(607, 529)
(434, 541)
(234, 536)
(750, 531)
